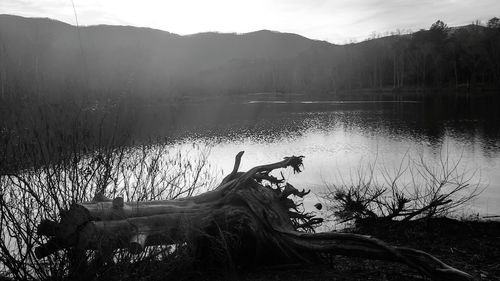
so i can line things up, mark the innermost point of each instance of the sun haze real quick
(336, 21)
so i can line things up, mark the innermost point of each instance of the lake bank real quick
(336, 139)
(471, 246)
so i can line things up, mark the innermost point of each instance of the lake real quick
(339, 139)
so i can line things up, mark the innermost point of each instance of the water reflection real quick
(337, 138)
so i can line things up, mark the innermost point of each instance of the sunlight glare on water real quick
(337, 143)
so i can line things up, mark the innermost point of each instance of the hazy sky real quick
(336, 21)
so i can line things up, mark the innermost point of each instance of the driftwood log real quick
(253, 206)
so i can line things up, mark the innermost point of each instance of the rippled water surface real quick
(338, 139)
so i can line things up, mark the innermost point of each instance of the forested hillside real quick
(51, 59)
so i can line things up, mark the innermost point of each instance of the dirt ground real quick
(471, 246)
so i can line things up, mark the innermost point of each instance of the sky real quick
(335, 21)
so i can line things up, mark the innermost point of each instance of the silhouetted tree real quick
(494, 23)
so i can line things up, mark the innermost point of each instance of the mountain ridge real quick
(108, 50)
(11, 16)
(45, 57)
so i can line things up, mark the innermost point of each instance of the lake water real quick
(340, 138)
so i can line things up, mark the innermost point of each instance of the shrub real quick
(69, 159)
(416, 189)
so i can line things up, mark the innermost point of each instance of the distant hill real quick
(124, 58)
(45, 57)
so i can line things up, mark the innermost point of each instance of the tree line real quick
(456, 59)
(46, 59)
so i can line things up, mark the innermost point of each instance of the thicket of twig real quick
(418, 188)
(58, 156)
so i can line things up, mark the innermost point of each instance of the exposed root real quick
(241, 206)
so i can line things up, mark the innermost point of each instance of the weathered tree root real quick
(244, 205)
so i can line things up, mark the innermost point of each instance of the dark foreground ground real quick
(471, 246)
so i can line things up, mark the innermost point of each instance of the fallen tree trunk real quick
(253, 206)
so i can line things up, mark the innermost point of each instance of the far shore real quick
(407, 95)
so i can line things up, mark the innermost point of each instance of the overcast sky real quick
(336, 21)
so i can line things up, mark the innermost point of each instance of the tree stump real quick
(254, 207)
